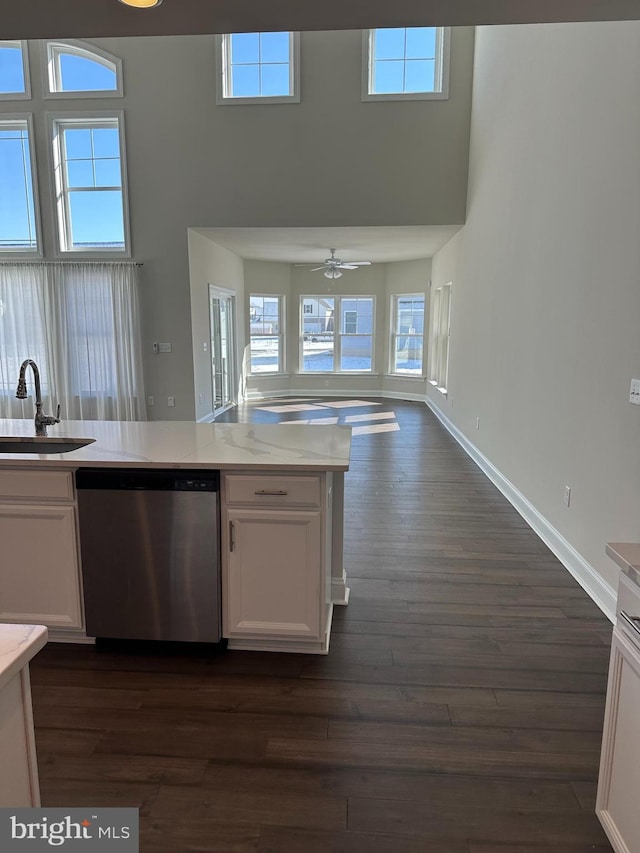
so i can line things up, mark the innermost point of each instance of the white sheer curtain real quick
(80, 322)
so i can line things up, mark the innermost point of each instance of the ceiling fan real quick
(333, 266)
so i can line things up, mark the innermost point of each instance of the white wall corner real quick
(593, 584)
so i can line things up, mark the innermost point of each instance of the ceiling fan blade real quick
(303, 265)
(346, 267)
(360, 263)
(315, 269)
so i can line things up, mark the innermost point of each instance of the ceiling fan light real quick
(142, 4)
(331, 273)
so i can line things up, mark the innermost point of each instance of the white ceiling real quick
(308, 245)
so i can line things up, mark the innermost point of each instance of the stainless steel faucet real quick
(41, 421)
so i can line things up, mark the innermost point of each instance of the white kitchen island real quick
(283, 482)
(19, 774)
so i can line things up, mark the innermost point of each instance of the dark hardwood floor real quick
(459, 710)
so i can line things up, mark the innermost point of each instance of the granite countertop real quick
(185, 444)
(627, 556)
(18, 644)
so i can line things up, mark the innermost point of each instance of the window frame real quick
(338, 334)
(439, 337)
(8, 119)
(52, 49)
(443, 53)
(394, 333)
(84, 119)
(281, 335)
(19, 96)
(223, 74)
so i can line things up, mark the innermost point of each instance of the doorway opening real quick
(223, 369)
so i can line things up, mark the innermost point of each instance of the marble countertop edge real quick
(18, 644)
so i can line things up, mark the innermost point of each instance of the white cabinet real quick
(618, 800)
(276, 550)
(39, 570)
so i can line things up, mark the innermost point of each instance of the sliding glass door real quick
(222, 319)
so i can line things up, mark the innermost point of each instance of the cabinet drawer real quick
(43, 485)
(272, 490)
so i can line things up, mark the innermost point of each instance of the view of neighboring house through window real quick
(18, 232)
(407, 334)
(348, 348)
(14, 70)
(440, 330)
(89, 183)
(265, 328)
(260, 66)
(406, 62)
(76, 68)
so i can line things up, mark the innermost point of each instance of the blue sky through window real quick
(78, 74)
(17, 218)
(404, 60)
(11, 70)
(259, 65)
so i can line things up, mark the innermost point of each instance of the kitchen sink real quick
(40, 444)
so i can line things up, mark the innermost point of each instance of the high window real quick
(265, 329)
(405, 63)
(14, 70)
(258, 67)
(18, 225)
(342, 347)
(407, 334)
(75, 69)
(89, 179)
(440, 331)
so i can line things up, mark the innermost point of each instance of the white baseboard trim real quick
(592, 583)
(255, 396)
(209, 418)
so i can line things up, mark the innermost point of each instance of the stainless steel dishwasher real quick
(150, 547)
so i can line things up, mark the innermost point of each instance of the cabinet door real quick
(619, 780)
(273, 573)
(39, 578)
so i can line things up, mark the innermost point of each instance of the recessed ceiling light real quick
(142, 4)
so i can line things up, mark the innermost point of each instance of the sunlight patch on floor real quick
(331, 421)
(349, 404)
(372, 428)
(373, 416)
(296, 407)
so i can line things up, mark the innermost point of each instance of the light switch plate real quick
(634, 393)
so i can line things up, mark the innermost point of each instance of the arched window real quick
(14, 70)
(76, 69)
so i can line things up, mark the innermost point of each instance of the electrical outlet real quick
(205, 346)
(149, 401)
(567, 495)
(634, 393)
(156, 347)
(171, 401)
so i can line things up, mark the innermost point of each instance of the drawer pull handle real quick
(271, 492)
(632, 621)
(231, 536)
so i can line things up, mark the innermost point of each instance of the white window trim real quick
(222, 75)
(88, 119)
(50, 52)
(443, 52)
(337, 335)
(8, 118)
(281, 336)
(393, 333)
(440, 334)
(19, 96)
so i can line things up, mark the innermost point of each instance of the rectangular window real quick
(14, 71)
(89, 183)
(405, 63)
(18, 226)
(258, 67)
(407, 334)
(440, 331)
(266, 333)
(349, 348)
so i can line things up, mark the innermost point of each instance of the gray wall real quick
(546, 272)
(329, 161)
